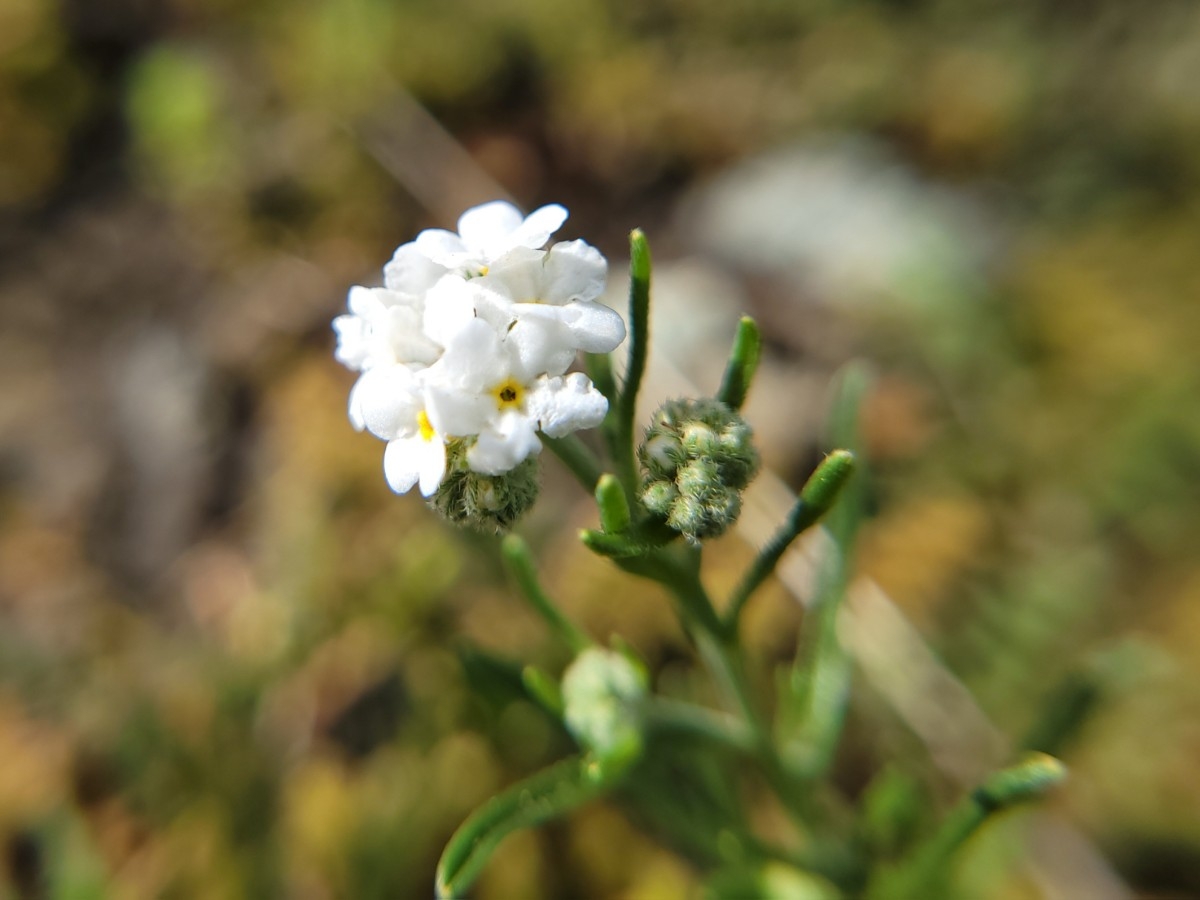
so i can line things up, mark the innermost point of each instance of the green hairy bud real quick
(602, 694)
(487, 503)
(697, 458)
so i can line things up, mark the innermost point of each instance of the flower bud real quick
(487, 503)
(603, 692)
(697, 458)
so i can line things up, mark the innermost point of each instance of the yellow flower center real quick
(509, 394)
(424, 426)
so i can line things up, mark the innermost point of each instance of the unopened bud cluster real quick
(480, 502)
(697, 459)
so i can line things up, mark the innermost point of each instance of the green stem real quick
(722, 657)
(576, 456)
(677, 717)
(694, 602)
(520, 564)
(813, 709)
(813, 713)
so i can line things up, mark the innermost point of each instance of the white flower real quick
(455, 303)
(485, 387)
(544, 300)
(383, 327)
(390, 402)
(485, 233)
(557, 289)
(410, 271)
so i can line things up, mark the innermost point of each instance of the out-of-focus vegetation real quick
(233, 665)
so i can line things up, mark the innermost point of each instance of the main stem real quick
(718, 647)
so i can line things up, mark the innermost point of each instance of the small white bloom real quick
(390, 402)
(563, 404)
(556, 289)
(485, 233)
(486, 387)
(383, 327)
(543, 346)
(410, 271)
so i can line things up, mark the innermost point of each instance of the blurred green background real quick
(232, 664)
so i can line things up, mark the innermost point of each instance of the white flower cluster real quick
(470, 339)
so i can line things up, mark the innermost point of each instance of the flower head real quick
(464, 354)
(383, 327)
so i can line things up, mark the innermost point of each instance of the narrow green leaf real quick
(639, 339)
(547, 795)
(614, 507)
(1029, 779)
(639, 318)
(613, 546)
(823, 486)
(816, 497)
(919, 875)
(743, 363)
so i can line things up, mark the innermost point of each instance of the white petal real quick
(476, 358)
(540, 344)
(353, 349)
(563, 274)
(456, 412)
(449, 308)
(443, 247)
(517, 276)
(409, 460)
(562, 405)
(388, 399)
(363, 301)
(384, 328)
(353, 408)
(595, 327)
(486, 228)
(406, 460)
(432, 462)
(574, 270)
(509, 440)
(411, 271)
(538, 226)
